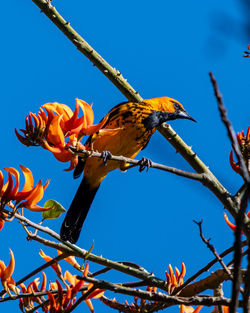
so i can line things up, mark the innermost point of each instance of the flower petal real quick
(56, 267)
(35, 196)
(55, 133)
(87, 111)
(15, 173)
(29, 182)
(10, 268)
(70, 259)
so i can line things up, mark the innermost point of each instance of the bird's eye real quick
(177, 106)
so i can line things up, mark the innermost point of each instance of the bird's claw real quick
(145, 163)
(105, 155)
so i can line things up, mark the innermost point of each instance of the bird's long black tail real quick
(75, 217)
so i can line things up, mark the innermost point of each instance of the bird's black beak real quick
(183, 114)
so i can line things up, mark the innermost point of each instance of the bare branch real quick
(155, 296)
(230, 130)
(122, 159)
(213, 250)
(206, 268)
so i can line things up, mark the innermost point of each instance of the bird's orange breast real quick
(128, 138)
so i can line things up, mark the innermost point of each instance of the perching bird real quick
(135, 124)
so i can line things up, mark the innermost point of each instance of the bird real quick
(133, 124)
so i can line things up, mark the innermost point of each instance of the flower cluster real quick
(52, 299)
(244, 144)
(26, 198)
(173, 280)
(59, 129)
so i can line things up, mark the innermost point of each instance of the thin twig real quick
(206, 268)
(213, 250)
(230, 130)
(42, 267)
(122, 159)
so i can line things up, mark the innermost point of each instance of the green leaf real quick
(56, 210)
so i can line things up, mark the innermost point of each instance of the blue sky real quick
(164, 48)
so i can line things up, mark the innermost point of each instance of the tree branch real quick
(229, 128)
(122, 159)
(156, 296)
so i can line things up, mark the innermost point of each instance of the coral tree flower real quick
(71, 260)
(76, 284)
(175, 280)
(59, 129)
(56, 267)
(230, 224)
(28, 197)
(60, 303)
(6, 272)
(244, 144)
(190, 309)
(28, 302)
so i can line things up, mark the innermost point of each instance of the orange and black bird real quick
(134, 123)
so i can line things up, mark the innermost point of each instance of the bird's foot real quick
(105, 155)
(144, 163)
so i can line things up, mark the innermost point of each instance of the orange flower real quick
(27, 302)
(230, 224)
(60, 303)
(6, 273)
(56, 267)
(244, 144)
(77, 284)
(175, 280)
(50, 131)
(190, 309)
(71, 260)
(2, 221)
(28, 197)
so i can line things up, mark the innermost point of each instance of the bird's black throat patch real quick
(156, 118)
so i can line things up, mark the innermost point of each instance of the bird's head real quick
(169, 105)
(164, 109)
